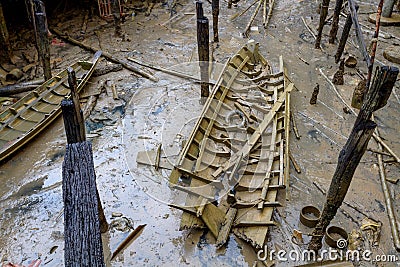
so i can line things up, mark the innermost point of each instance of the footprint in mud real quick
(314, 135)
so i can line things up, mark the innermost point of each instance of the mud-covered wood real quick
(107, 55)
(322, 17)
(215, 14)
(335, 21)
(19, 88)
(354, 149)
(344, 37)
(204, 54)
(199, 10)
(107, 69)
(42, 41)
(83, 244)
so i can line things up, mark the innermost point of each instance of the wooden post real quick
(199, 10)
(83, 244)
(5, 40)
(322, 17)
(215, 14)
(42, 38)
(83, 213)
(115, 7)
(388, 8)
(343, 38)
(354, 149)
(204, 53)
(335, 21)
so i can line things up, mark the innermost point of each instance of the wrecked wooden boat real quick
(35, 111)
(236, 157)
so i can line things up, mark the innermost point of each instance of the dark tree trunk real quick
(354, 149)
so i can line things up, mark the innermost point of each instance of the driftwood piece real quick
(83, 244)
(107, 69)
(269, 15)
(322, 16)
(127, 240)
(107, 55)
(235, 16)
(294, 162)
(19, 88)
(352, 152)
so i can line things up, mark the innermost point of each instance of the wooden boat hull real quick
(33, 113)
(237, 150)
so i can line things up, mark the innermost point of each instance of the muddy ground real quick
(147, 113)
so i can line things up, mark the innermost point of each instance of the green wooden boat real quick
(22, 121)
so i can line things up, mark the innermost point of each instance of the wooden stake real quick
(335, 21)
(115, 7)
(215, 14)
(374, 42)
(204, 54)
(322, 17)
(343, 38)
(314, 96)
(42, 41)
(353, 150)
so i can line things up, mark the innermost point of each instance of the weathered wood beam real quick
(354, 149)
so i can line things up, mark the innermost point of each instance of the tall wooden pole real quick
(42, 37)
(322, 16)
(351, 154)
(204, 53)
(84, 218)
(335, 21)
(215, 14)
